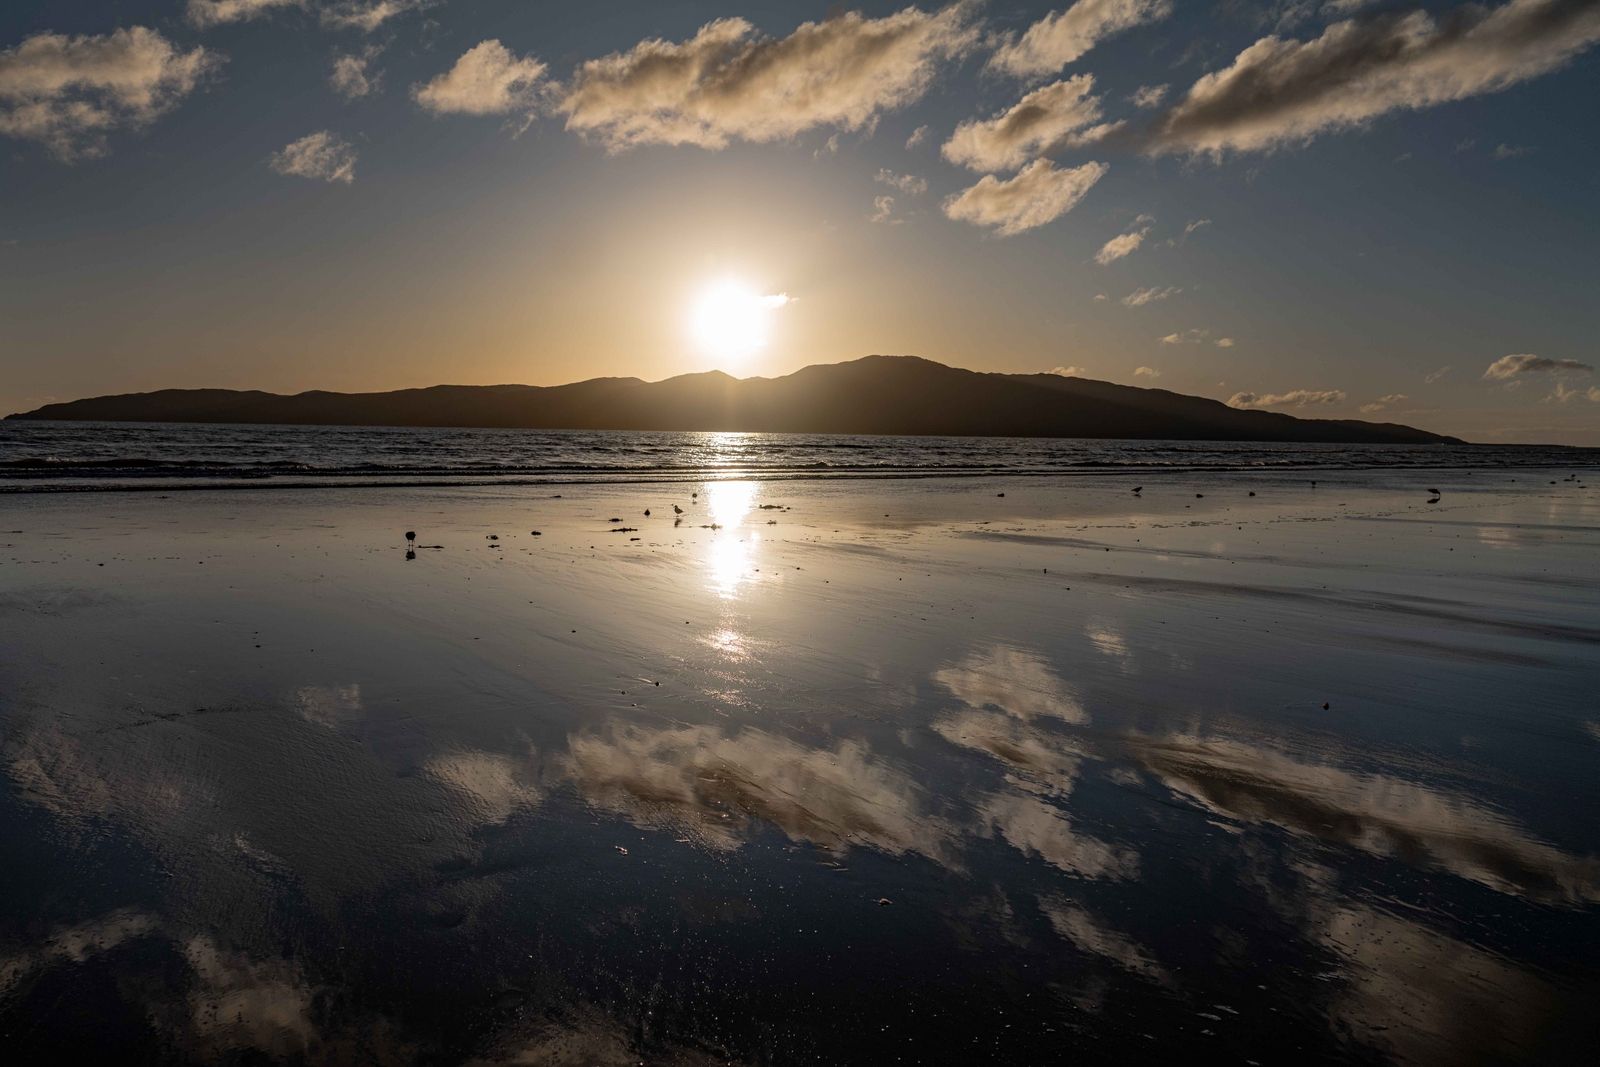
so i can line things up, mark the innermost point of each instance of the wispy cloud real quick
(883, 210)
(1140, 297)
(1506, 151)
(918, 135)
(1561, 394)
(1509, 368)
(1383, 403)
(1125, 244)
(1294, 398)
(728, 82)
(1282, 92)
(488, 79)
(70, 93)
(207, 13)
(1146, 372)
(1434, 376)
(1148, 96)
(1051, 117)
(1063, 37)
(323, 155)
(353, 76)
(1069, 372)
(906, 183)
(1038, 194)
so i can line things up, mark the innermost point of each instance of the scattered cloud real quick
(1146, 372)
(1562, 394)
(1281, 92)
(1507, 368)
(368, 16)
(1466, 144)
(1434, 376)
(1125, 244)
(207, 13)
(69, 93)
(1195, 225)
(1063, 37)
(1100, 298)
(352, 76)
(1053, 116)
(1506, 151)
(1383, 403)
(1140, 297)
(1194, 337)
(1038, 194)
(918, 135)
(1294, 398)
(1148, 96)
(1069, 372)
(906, 183)
(323, 155)
(883, 210)
(1224, 342)
(487, 80)
(728, 82)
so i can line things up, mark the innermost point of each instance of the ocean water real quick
(46, 456)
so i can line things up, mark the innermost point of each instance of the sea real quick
(77, 456)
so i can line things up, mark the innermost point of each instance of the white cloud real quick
(323, 155)
(1069, 372)
(1146, 372)
(1140, 297)
(1124, 244)
(883, 210)
(1383, 403)
(1038, 194)
(1053, 116)
(1525, 363)
(1281, 92)
(1063, 37)
(1294, 398)
(1195, 225)
(918, 135)
(487, 80)
(69, 93)
(906, 183)
(352, 76)
(1224, 342)
(1148, 96)
(728, 82)
(1434, 376)
(1506, 151)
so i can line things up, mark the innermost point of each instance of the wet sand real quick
(824, 772)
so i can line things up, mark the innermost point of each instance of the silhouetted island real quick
(874, 395)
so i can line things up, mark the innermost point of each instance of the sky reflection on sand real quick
(550, 800)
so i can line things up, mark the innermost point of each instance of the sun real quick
(731, 321)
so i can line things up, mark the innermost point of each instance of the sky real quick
(1332, 208)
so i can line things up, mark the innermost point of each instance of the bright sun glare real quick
(731, 321)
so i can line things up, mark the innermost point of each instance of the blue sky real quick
(1347, 208)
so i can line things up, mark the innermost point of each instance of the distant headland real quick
(873, 395)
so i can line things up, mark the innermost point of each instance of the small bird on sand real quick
(411, 535)
(1435, 492)
(1138, 489)
(647, 513)
(676, 510)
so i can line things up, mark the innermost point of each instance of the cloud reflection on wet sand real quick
(711, 787)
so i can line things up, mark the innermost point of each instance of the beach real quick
(1248, 765)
